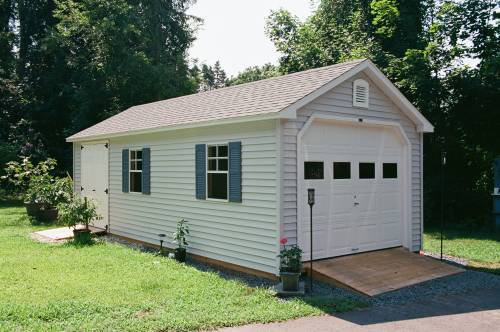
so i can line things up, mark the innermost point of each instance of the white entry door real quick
(94, 178)
(357, 172)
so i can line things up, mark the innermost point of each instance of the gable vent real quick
(360, 93)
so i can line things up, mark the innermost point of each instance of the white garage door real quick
(94, 177)
(357, 172)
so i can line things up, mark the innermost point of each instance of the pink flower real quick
(283, 240)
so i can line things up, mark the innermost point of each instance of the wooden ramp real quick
(63, 233)
(376, 272)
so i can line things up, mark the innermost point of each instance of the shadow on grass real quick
(464, 233)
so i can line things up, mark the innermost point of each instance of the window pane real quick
(212, 151)
(133, 166)
(132, 154)
(341, 170)
(217, 185)
(390, 170)
(139, 165)
(313, 170)
(367, 170)
(138, 154)
(222, 151)
(222, 164)
(136, 182)
(212, 164)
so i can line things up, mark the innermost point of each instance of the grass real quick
(53, 287)
(482, 249)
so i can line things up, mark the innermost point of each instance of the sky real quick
(233, 31)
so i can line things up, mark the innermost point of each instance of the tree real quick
(212, 77)
(255, 73)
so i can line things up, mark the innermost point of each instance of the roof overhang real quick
(233, 120)
(390, 90)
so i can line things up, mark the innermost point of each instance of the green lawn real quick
(109, 287)
(482, 249)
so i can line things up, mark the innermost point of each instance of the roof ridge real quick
(254, 82)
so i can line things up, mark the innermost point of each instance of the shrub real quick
(20, 174)
(78, 211)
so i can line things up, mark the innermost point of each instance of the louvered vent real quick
(360, 93)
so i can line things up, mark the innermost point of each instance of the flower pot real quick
(32, 209)
(180, 254)
(290, 281)
(82, 236)
(48, 213)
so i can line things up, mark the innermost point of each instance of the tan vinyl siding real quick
(240, 233)
(338, 102)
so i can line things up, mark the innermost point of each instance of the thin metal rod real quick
(311, 250)
(443, 162)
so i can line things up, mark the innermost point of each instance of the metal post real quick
(443, 163)
(311, 251)
(310, 201)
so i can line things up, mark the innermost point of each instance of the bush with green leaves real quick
(290, 257)
(179, 236)
(78, 211)
(20, 174)
(50, 191)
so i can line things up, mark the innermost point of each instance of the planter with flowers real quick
(290, 266)
(77, 213)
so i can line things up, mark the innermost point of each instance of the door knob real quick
(356, 203)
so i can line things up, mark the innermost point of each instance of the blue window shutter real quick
(235, 171)
(146, 171)
(201, 170)
(125, 156)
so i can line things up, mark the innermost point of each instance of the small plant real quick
(290, 257)
(179, 239)
(78, 211)
(290, 265)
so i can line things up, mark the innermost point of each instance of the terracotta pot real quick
(82, 236)
(180, 254)
(290, 281)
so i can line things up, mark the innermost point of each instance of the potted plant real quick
(45, 193)
(79, 212)
(290, 266)
(179, 239)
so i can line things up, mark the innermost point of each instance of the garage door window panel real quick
(367, 170)
(313, 170)
(341, 170)
(390, 170)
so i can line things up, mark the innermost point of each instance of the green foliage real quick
(290, 258)
(210, 78)
(147, 292)
(74, 63)
(255, 73)
(385, 16)
(179, 236)
(50, 191)
(20, 174)
(78, 211)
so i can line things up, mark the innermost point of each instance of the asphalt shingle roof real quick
(256, 98)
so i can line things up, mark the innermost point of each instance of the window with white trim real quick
(135, 171)
(360, 93)
(217, 171)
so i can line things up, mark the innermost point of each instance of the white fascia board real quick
(268, 116)
(422, 124)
